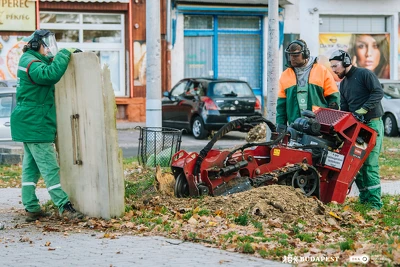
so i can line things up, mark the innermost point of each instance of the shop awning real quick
(87, 1)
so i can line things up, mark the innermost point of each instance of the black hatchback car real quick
(199, 105)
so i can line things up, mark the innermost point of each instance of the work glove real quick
(280, 128)
(333, 105)
(359, 114)
(74, 50)
(361, 111)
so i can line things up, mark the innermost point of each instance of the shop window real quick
(101, 19)
(67, 36)
(102, 34)
(232, 22)
(198, 22)
(111, 58)
(58, 18)
(98, 36)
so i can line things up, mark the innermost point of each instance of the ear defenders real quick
(341, 56)
(35, 42)
(346, 59)
(304, 49)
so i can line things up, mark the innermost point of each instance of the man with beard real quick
(304, 85)
(361, 94)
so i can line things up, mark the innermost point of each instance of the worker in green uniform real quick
(361, 93)
(33, 121)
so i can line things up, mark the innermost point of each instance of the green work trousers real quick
(40, 159)
(368, 179)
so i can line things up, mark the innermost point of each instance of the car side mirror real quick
(166, 94)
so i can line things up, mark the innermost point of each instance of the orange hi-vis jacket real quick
(322, 91)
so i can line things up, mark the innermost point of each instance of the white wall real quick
(291, 17)
(178, 53)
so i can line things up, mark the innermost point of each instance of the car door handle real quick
(7, 124)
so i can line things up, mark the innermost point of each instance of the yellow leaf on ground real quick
(360, 218)
(212, 224)
(334, 215)
(196, 210)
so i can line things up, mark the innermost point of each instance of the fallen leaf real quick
(24, 239)
(326, 229)
(334, 215)
(192, 221)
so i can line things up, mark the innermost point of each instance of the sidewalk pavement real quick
(125, 125)
(28, 245)
(388, 187)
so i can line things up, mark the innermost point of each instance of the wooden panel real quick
(139, 91)
(96, 186)
(75, 6)
(10, 33)
(139, 19)
(138, 34)
(165, 66)
(163, 16)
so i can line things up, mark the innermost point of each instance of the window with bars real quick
(352, 24)
(223, 46)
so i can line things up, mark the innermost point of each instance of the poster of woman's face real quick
(370, 51)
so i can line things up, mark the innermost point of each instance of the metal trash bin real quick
(157, 145)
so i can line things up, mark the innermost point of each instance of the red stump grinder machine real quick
(320, 153)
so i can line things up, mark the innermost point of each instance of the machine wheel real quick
(181, 186)
(307, 181)
(198, 130)
(390, 123)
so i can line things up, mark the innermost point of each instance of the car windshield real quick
(236, 89)
(392, 91)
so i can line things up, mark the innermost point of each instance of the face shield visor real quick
(289, 53)
(50, 44)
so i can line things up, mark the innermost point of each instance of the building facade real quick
(208, 38)
(221, 39)
(368, 30)
(113, 29)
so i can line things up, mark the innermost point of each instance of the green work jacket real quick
(34, 117)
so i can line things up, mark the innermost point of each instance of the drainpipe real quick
(153, 63)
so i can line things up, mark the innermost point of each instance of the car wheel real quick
(390, 124)
(198, 130)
